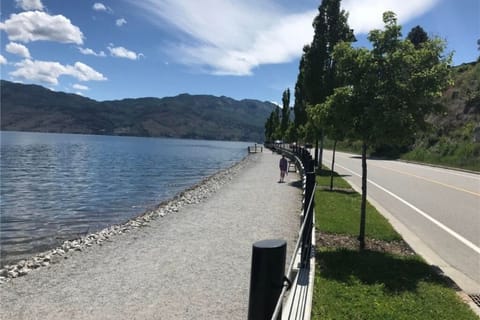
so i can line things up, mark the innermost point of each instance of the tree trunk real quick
(316, 152)
(361, 237)
(320, 160)
(333, 165)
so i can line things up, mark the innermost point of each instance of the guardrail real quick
(302, 261)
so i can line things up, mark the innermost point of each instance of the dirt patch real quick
(331, 240)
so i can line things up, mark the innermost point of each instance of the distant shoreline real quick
(129, 136)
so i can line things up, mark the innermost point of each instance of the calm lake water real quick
(56, 187)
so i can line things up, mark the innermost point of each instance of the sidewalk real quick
(194, 264)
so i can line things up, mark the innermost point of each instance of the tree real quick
(332, 117)
(299, 106)
(269, 128)
(285, 113)
(389, 90)
(276, 124)
(272, 125)
(290, 134)
(417, 36)
(330, 28)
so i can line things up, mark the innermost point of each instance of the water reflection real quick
(58, 186)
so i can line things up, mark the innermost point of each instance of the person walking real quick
(283, 168)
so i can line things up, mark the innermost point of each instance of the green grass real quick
(351, 284)
(372, 285)
(323, 179)
(338, 211)
(464, 155)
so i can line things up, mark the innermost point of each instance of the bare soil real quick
(330, 240)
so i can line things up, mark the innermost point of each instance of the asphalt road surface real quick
(436, 210)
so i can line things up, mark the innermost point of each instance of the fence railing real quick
(255, 149)
(303, 246)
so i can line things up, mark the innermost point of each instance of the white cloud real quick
(42, 71)
(250, 33)
(97, 6)
(29, 4)
(83, 72)
(88, 51)
(121, 52)
(36, 25)
(49, 71)
(120, 22)
(247, 34)
(3, 60)
(80, 87)
(278, 43)
(368, 14)
(18, 49)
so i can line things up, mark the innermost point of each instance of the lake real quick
(56, 187)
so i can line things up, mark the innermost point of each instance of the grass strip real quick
(371, 284)
(338, 211)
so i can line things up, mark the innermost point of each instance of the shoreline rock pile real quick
(193, 195)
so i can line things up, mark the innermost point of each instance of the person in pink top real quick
(283, 168)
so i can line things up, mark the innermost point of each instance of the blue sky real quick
(115, 49)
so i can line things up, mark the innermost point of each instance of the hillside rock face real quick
(37, 109)
(461, 101)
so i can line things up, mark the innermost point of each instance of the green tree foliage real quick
(290, 134)
(269, 129)
(285, 113)
(330, 27)
(299, 107)
(332, 117)
(272, 126)
(389, 89)
(417, 36)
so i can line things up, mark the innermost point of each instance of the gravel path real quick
(192, 264)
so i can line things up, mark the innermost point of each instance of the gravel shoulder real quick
(190, 260)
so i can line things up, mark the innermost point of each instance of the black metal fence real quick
(265, 286)
(254, 149)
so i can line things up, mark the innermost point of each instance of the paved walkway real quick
(194, 264)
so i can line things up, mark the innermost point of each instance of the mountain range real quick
(37, 109)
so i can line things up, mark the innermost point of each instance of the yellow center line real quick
(430, 180)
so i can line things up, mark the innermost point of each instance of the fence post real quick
(266, 279)
(308, 216)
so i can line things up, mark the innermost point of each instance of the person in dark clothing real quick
(283, 168)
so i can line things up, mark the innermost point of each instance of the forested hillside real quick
(454, 136)
(35, 108)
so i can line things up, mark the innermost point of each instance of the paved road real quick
(436, 210)
(194, 264)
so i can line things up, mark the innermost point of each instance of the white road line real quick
(425, 215)
(473, 176)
